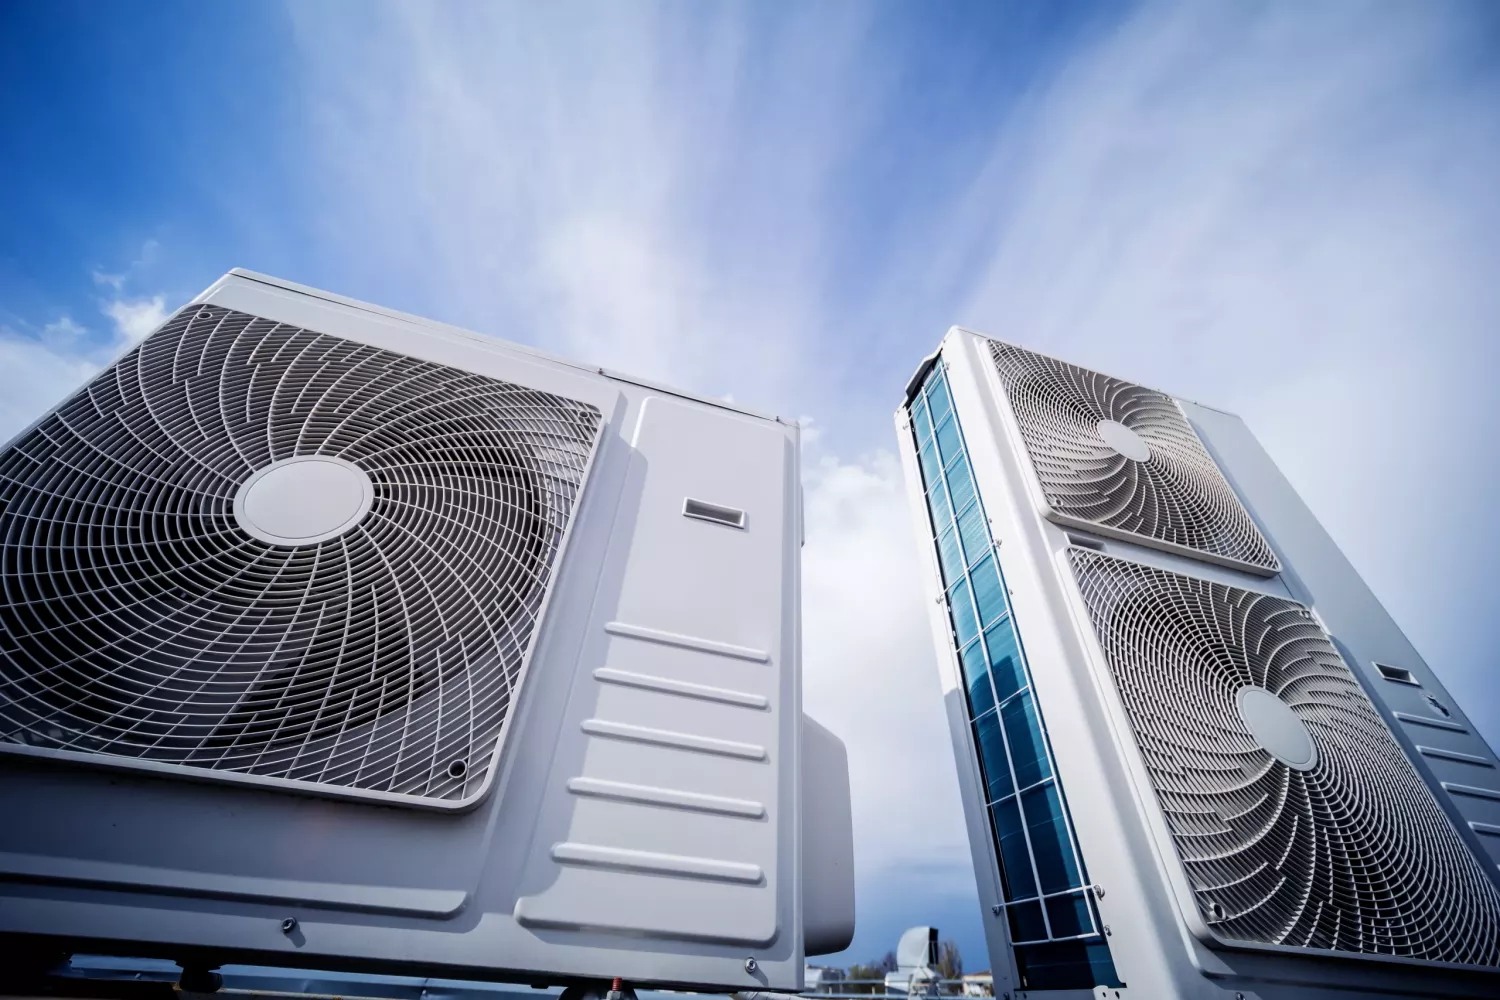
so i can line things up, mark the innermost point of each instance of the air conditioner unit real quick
(1197, 757)
(336, 638)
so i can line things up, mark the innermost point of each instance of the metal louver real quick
(1120, 459)
(153, 612)
(1297, 818)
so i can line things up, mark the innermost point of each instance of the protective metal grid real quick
(139, 620)
(1176, 498)
(1353, 855)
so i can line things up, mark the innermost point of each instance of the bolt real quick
(1107, 931)
(751, 966)
(997, 909)
(1098, 891)
(1239, 996)
(288, 925)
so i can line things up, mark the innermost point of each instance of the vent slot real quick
(1085, 542)
(705, 511)
(1398, 674)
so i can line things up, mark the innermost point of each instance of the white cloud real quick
(149, 252)
(63, 332)
(39, 368)
(135, 319)
(34, 377)
(870, 673)
(587, 181)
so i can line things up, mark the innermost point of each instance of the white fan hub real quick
(1277, 729)
(1124, 441)
(303, 500)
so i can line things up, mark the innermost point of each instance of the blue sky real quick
(1288, 210)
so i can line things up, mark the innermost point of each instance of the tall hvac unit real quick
(1197, 757)
(335, 638)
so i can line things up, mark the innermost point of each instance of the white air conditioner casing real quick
(471, 661)
(1272, 794)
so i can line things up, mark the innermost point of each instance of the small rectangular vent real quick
(1398, 674)
(705, 511)
(1085, 542)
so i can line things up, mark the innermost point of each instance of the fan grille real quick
(1177, 498)
(1353, 854)
(140, 621)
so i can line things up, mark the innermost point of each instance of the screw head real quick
(288, 925)
(1107, 931)
(997, 909)
(1098, 891)
(751, 965)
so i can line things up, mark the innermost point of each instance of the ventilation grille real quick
(1175, 499)
(1353, 854)
(141, 621)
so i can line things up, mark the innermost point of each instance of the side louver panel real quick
(1296, 816)
(264, 553)
(1121, 459)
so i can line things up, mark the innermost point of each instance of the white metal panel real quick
(699, 631)
(827, 842)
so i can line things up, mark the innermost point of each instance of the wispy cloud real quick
(149, 252)
(35, 375)
(135, 319)
(39, 366)
(63, 332)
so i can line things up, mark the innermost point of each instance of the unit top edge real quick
(256, 278)
(955, 331)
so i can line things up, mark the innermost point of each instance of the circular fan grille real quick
(140, 620)
(1175, 498)
(1354, 853)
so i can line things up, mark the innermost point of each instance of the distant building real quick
(821, 979)
(979, 984)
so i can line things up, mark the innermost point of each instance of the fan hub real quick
(1123, 441)
(1278, 730)
(303, 500)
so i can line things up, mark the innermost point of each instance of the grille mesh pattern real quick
(1352, 855)
(139, 620)
(1176, 499)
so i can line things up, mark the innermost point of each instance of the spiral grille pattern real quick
(1352, 855)
(1177, 499)
(139, 620)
